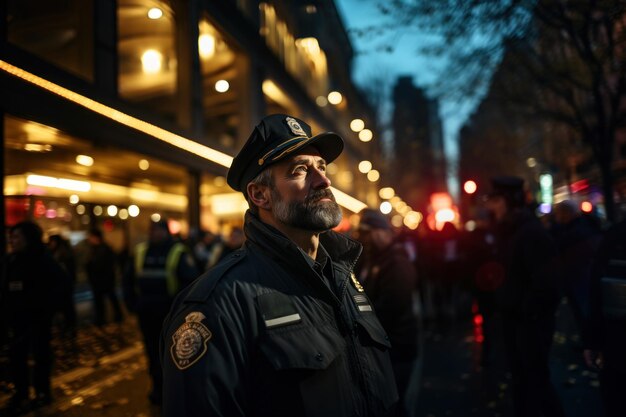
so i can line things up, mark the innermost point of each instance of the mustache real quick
(317, 195)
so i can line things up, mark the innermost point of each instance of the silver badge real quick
(295, 127)
(189, 342)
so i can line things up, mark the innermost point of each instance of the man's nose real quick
(320, 180)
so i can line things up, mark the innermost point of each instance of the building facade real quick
(115, 113)
(418, 144)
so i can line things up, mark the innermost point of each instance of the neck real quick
(306, 240)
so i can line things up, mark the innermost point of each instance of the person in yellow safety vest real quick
(160, 268)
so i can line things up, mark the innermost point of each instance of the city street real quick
(103, 373)
(454, 383)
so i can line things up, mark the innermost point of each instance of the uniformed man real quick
(160, 268)
(281, 327)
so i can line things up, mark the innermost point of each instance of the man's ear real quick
(259, 194)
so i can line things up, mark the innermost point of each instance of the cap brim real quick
(329, 144)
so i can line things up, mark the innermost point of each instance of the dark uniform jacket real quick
(528, 255)
(263, 334)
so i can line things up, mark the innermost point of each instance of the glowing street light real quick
(335, 97)
(365, 167)
(365, 135)
(357, 125)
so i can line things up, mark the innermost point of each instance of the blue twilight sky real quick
(370, 62)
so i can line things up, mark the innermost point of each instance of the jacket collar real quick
(343, 251)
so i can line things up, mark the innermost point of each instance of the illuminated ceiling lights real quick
(122, 118)
(37, 147)
(84, 160)
(357, 125)
(206, 40)
(365, 135)
(61, 183)
(222, 86)
(335, 97)
(387, 193)
(133, 210)
(144, 164)
(112, 210)
(365, 167)
(373, 175)
(155, 13)
(151, 61)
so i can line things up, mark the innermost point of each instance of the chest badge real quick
(189, 342)
(356, 283)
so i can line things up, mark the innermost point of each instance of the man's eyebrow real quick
(306, 161)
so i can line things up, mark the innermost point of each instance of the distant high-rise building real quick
(418, 144)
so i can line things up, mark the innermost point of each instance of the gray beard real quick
(313, 216)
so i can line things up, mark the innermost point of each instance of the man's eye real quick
(322, 168)
(300, 169)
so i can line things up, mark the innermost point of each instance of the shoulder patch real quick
(189, 342)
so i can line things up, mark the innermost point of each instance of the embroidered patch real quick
(295, 127)
(189, 341)
(356, 283)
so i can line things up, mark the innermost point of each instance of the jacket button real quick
(319, 357)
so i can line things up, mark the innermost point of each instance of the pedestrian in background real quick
(281, 327)
(62, 252)
(208, 250)
(527, 299)
(30, 297)
(235, 240)
(390, 282)
(577, 241)
(159, 269)
(101, 273)
(605, 330)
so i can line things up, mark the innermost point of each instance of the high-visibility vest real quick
(168, 273)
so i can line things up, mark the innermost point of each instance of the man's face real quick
(497, 206)
(17, 241)
(300, 193)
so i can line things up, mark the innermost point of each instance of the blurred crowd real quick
(508, 263)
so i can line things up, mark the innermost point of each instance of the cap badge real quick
(189, 341)
(295, 127)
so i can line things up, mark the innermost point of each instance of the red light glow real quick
(444, 215)
(586, 207)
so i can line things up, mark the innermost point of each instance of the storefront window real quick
(147, 55)
(69, 185)
(58, 31)
(221, 208)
